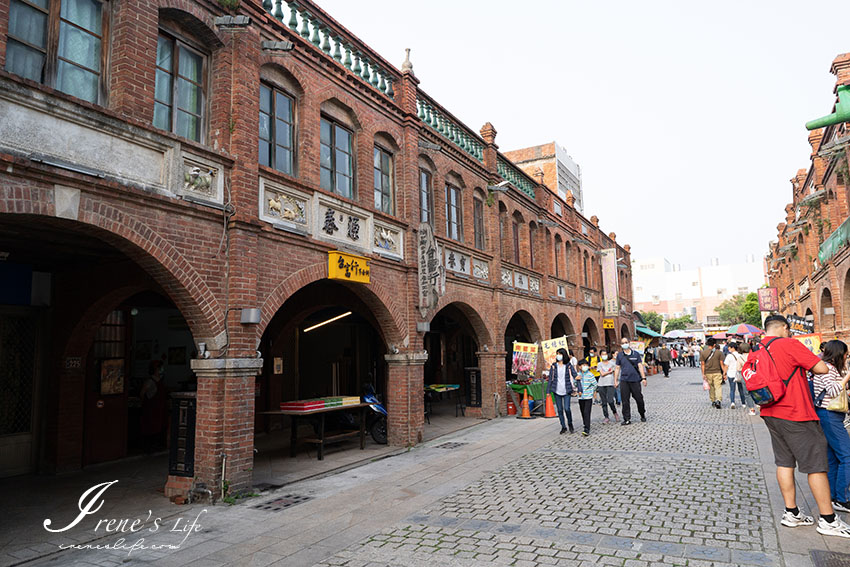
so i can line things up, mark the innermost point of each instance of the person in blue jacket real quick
(561, 376)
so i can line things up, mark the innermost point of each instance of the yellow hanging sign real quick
(348, 267)
(607, 323)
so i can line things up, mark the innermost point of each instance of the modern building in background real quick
(560, 171)
(809, 262)
(663, 287)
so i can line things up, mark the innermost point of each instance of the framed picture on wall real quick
(177, 356)
(111, 376)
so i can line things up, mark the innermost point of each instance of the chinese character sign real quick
(348, 267)
(610, 283)
(432, 274)
(811, 342)
(524, 362)
(768, 299)
(550, 348)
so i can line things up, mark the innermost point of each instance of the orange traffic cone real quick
(550, 407)
(526, 414)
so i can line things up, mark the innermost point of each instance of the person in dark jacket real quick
(561, 377)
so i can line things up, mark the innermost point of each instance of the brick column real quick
(406, 398)
(492, 366)
(225, 421)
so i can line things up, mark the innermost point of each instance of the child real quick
(605, 386)
(586, 386)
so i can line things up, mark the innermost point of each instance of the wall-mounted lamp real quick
(250, 316)
(394, 349)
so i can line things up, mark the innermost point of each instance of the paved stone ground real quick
(690, 487)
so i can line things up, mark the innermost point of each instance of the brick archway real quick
(530, 324)
(139, 242)
(375, 295)
(477, 322)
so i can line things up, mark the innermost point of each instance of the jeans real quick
(631, 389)
(607, 395)
(838, 452)
(585, 406)
(562, 405)
(742, 390)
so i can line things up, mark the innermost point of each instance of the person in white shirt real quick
(605, 386)
(561, 376)
(733, 364)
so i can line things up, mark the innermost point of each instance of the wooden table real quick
(322, 439)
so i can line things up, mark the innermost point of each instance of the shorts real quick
(800, 443)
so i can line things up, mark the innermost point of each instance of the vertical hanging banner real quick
(610, 282)
(768, 299)
(524, 363)
(550, 349)
(432, 274)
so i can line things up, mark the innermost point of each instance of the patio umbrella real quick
(720, 336)
(744, 329)
(678, 334)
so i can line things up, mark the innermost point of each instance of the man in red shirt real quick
(795, 431)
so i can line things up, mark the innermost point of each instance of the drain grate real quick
(282, 503)
(451, 445)
(830, 559)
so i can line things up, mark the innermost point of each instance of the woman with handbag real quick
(830, 397)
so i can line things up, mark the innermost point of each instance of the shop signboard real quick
(550, 349)
(432, 274)
(348, 267)
(811, 342)
(768, 299)
(607, 323)
(800, 325)
(524, 361)
(610, 284)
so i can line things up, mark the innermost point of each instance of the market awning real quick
(646, 331)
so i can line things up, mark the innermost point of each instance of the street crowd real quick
(802, 398)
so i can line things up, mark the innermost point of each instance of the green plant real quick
(229, 4)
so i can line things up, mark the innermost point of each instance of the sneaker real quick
(584, 433)
(792, 521)
(732, 405)
(563, 430)
(572, 430)
(643, 418)
(753, 412)
(836, 528)
(626, 422)
(841, 506)
(606, 420)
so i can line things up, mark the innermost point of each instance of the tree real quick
(740, 309)
(653, 320)
(679, 323)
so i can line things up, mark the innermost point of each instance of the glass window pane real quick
(265, 153)
(162, 87)
(343, 185)
(282, 133)
(162, 116)
(84, 13)
(190, 65)
(188, 96)
(188, 126)
(28, 24)
(284, 160)
(385, 162)
(24, 61)
(78, 46)
(377, 179)
(325, 179)
(163, 53)
(326, 132)
(77, 81)
(379, 198)
(376, 158)
(265, 127)
(282, 107)
(343, 138)
(265, 99)
(325, 156)
(343, 162)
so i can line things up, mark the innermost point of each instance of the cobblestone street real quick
(689, 487)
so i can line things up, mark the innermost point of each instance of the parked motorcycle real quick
(376, 421)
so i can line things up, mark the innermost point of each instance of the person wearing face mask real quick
(586, 384)
(630, 375)
(605, 387)
(561, 376)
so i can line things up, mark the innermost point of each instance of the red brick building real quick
(173, 179)
(808, 262)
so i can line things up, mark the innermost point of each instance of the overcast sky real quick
(686, 118)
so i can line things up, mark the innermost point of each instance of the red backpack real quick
(762, 378)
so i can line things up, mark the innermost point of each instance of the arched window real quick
(503, 219)
(557, 256)
(277, 125)
(532, 236)
(586, 280)
(478, 219)
(567, 257)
